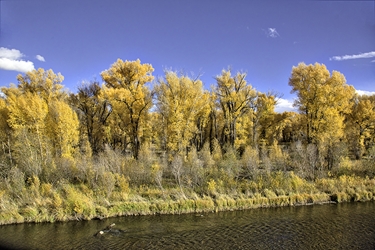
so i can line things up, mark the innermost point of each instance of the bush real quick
(230, 165)
(250, 162)
(77, 204)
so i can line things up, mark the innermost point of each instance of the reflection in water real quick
(342, 226)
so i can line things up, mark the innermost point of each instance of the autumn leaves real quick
(40, 120)
(103, 150)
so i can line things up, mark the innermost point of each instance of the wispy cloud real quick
(10, 59)
(272, 32)
(365, 92)
(284, 105)
(357, 56)
(40, 58)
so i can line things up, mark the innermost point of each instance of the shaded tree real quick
(93, 111)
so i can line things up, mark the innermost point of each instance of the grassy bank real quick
(34, 201)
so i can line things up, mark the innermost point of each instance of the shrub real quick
(250, 161)
(77, 204)
(230, 165)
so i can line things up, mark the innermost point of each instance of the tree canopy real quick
(131, 112)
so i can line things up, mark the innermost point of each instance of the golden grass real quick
(44, 202)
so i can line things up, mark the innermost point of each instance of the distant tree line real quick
(44, 130)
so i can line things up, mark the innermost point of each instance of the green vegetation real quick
(126, 149)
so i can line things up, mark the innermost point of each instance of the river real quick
(330, 226)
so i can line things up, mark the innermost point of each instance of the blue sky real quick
(266, 39)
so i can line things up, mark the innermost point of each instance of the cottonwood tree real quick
(234, 96)
(61, 122)
(62, 128)
(262, 116)
(93, 111)
(41, 121)
(130, 98)
(26, 117)
(5, 136)
(44, 83)
(183, 107)
(360, 121)
(323, 99)
(212, 126)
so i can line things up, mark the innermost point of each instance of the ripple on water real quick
(342, 226)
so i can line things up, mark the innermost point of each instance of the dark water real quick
(342, 226)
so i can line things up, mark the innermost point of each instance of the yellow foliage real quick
(27, 111)
(360, 124)
(264, 120)
(323, 98)
(130, 98)
(26, 114)
(234, 98)
(122, 183)
(57, 201)
(38, 114)
(63, 128)
(183, 106)
(211, 186)
(46, 84)
(4, 127)
(46, 189)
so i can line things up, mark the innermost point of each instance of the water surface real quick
(330, 226)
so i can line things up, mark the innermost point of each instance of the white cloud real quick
(10, 59)
(40, 58)
(364, 92)
(284, 105)
(272, 32)
(349, 57)
(16, 65)
(12, 54)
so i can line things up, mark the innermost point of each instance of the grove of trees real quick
(133, 129)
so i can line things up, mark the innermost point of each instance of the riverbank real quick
(43, 202)
(347, 225)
